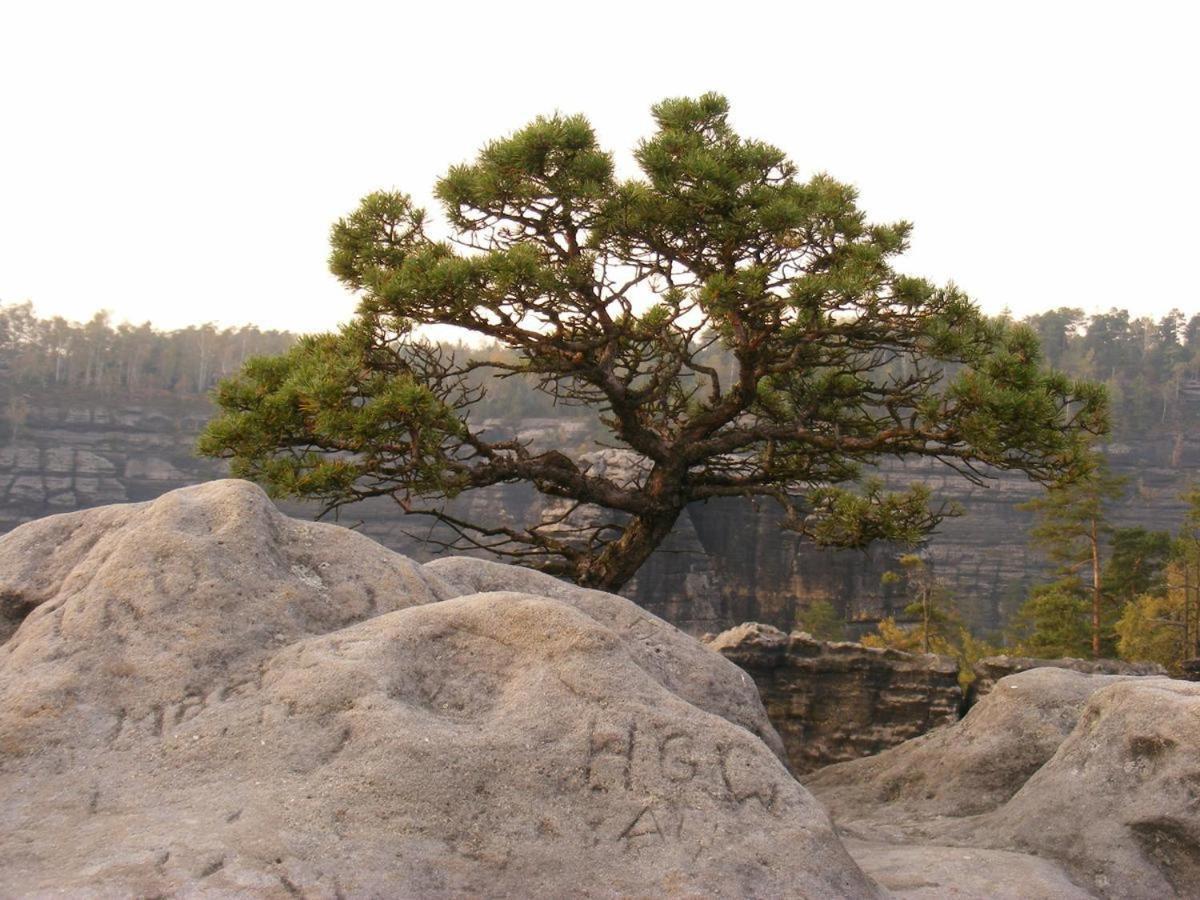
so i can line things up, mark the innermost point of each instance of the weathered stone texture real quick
(991, 669)
(204, 698)
(832, 702)
(1100, 773)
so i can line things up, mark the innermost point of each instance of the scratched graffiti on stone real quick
(629, 757)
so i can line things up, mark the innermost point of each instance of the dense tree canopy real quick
(741, 331)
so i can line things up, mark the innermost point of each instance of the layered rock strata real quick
(832, 702)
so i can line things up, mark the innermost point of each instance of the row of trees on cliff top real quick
(1150, 368)
(623, 295)
(97, 355)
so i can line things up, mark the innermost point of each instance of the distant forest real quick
(1151, 367)
(97, 355)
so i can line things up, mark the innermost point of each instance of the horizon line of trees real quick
(125, 358)
(1151, 367)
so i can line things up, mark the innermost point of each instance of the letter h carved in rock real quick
(610, 757)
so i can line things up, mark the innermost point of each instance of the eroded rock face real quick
(205, 698)
(968, 768)
(1119, 801)
(991, 669)
(1098, 772)
(832, 702)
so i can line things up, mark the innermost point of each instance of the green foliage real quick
(1160, 583)
(1072, 514)
(1154, 627)
(1137, 564)
(278, 409)
(739, 330)
(1054, 622)
(822, 620)
(931, 623)
(1071, 530)
(937, 624)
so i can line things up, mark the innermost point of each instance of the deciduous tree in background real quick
(620, 295)
(1155, 627)
(936, 623)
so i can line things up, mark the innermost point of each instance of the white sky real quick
(182, 163)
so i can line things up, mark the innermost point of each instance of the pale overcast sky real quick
(182, 163)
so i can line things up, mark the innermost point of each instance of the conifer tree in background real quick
(1071, 530)
(1187, 558)
(616, 294)
(1136, 566)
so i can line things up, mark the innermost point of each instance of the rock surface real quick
(1119, 801)
(991, 669)
(1099, 773)
(933, 872)
(971, 767)
(205, 698)
(832, 702)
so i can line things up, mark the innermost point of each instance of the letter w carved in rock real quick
(744, 783)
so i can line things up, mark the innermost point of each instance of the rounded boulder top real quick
(201, 696)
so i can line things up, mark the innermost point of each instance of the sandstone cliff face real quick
(202, 697)
(726, 563)
(831, 702)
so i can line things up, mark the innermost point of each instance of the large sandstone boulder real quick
(967, 768)
(201, 697)
(1119, 801)
(676, 661)
(1098, 772)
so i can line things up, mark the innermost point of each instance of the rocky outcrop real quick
(831, 702)
(994, 750)
(1096, 772)
(991, 669)
(202, 697)
(1119, 802)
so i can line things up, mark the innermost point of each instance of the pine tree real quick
(1071, 531)
(614, 294)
